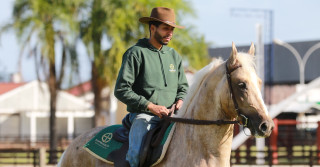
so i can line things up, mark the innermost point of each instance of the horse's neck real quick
(204, 145)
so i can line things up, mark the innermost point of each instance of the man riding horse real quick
(151, 79)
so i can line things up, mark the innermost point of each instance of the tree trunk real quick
(97, 86)
(53, 88)
(53, 125)
(98, 82)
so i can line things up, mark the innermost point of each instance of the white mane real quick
(197, 80)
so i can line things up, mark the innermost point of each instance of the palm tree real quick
(42, 24)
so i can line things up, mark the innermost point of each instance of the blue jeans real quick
(141, 124)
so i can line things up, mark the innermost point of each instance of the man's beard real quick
(159, 38)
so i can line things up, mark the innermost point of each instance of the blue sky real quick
(293, 20)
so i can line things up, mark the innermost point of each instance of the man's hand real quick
(158, 110)
(179, 104)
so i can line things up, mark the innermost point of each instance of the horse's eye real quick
(242, 85)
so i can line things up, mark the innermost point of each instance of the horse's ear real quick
(252, 49)
(233, 55)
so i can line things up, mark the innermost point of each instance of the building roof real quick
(80, 89)
(6, 87)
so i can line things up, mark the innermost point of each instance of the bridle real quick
(217, 122)
(235, 103)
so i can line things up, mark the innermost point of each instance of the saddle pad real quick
(102, 144)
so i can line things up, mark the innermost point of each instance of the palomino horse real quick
(213, 96)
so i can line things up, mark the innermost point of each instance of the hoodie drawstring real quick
(162, 69)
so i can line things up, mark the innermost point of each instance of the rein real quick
(217, 122)
(197, 121)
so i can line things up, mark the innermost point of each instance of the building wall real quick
(9, 127)
(276, 93)
(20, 102)
(18, 126)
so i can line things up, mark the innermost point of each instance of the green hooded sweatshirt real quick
(150, 75)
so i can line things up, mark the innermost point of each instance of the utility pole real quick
(260, 56)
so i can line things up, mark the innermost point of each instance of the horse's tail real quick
(61, 159)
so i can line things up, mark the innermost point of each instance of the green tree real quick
(42, 24)
(118, 22)
(192, 47)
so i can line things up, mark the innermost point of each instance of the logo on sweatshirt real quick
(172, 68)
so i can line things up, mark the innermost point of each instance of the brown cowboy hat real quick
(161, 14)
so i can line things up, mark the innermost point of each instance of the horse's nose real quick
(266, 127)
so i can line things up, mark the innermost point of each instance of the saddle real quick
(150, 142)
